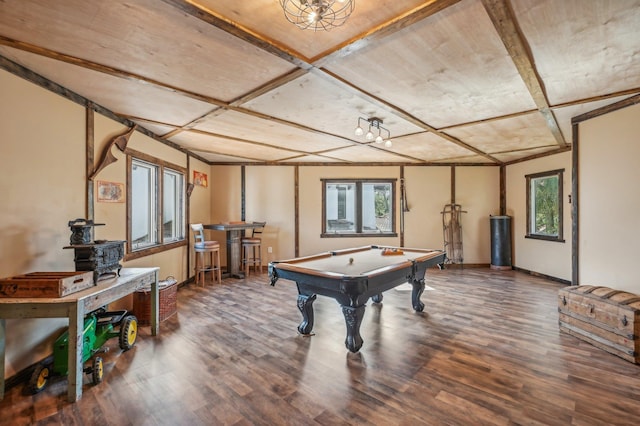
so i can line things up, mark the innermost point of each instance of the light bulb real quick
(359, 131)
(369, 136)
(388, 143)
(378, 139)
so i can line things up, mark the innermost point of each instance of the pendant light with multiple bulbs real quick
(374, 124)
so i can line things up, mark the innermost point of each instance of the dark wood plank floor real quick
(486, 351)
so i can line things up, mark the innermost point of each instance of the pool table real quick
(351, 277)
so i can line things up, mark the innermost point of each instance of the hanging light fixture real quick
(317, 14)
(374, 124)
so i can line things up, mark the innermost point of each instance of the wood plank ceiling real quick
(233, 82)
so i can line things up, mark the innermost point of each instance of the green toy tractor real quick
(99, 326)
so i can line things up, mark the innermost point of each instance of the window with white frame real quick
(157, 204)
(358, 207)
(544, 205)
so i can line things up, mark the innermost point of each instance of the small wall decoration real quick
(200, 179)
(110, 192)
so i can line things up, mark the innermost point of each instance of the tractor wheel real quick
(39, 378)
(97, 371)
(128, 332)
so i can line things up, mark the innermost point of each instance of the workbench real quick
(74, 307)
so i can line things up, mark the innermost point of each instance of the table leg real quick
(76, 337)
(305, 304)
(155, 304)
(353, 319)
(3, 334)
(418, 289)
(233, 253)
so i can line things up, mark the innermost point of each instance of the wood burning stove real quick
(101, 256)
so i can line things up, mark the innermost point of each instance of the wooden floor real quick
(486, 351)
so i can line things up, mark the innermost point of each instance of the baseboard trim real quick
(465, 265)
(538, 274)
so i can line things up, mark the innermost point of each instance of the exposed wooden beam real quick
(506, 25)
(385, 29)
(211, 17)
(105, 69)
(47, 84)
(607, 109)
(90, 149)
(240, 100)
(400, 113)
(421, 12)
(540, 155)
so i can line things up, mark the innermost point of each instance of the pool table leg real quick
(305, 304)
(418, 289)
(353, 319)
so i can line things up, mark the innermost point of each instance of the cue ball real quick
(351, 261)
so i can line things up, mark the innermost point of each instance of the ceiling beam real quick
(314, 65)
(428, 8)
(506, 25)
(105, 69)
(402, 114)
(260, 41)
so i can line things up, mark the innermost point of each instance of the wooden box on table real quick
(45, 284)
(602, 316)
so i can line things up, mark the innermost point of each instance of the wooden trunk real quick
(45, 284)
(604, 317)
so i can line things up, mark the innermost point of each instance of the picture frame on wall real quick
(110, 192)
(200, 179)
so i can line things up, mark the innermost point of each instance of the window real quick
(544, 205)
(156, 206)
(358, 207)
(173, 211)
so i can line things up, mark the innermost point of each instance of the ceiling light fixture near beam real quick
(374, 123)
(317, 14)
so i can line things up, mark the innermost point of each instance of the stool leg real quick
(203, 265)
(253, 260)
(199, 262)
(211, 266)
(218, 267)
(245, 250)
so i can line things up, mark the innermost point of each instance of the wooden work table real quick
(75, 306)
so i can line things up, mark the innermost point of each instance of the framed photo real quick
(110, 192)
(200, 179)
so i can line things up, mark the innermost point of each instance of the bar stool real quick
(205, 251)
(252, 249)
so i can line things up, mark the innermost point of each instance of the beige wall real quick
(545, 257)
(478, 192)
(609, 199)
(226, 201)
(199, 203)
(44, 187)
(270, 197)
(428, 190)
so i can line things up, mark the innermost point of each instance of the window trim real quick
(160, 246)
(559, 173)
(358, 218)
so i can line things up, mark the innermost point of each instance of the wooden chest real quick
(604, 317)
(45, 284)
